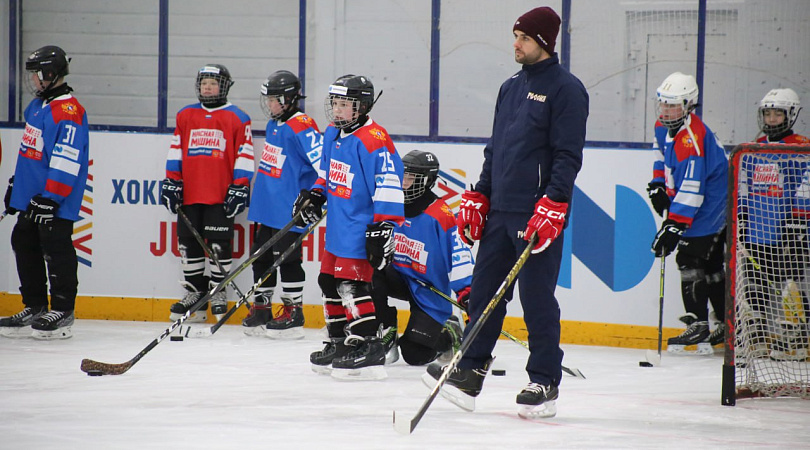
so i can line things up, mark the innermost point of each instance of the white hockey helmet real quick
(677, 89)
(785, 99)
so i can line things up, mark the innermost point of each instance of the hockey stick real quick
(573, 372)
(202, 243)
(90, 366)
(243, 300)
(654, 359)
(3, 215)
(404, 426)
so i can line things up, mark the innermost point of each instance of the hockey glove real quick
(380, 244)
(310, 212)
(171, 194)
(7, 198)
(472, 216)
(41, 210)
(658, 197)
(548, 221)
(463, 297)
(667, 238)
(236, 200)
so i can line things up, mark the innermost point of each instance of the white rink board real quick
(126, 227)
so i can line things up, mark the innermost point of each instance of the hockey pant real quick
(45, 254)
(500, 247)
(700, 261)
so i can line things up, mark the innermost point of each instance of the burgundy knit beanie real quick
(542, 24)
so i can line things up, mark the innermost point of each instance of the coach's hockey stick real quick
(406, 426)
(654, 359)
(205, 247)
(92, 367)
(243, 300)
(573, 372)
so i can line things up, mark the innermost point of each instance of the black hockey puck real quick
(176, 338)
(498, 372)
(94, 373)
(644, 364)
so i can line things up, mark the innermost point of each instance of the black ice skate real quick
(189, 299)
(453, 329)
(322, 359)
(53, 325)
(390, 339)
(718, 336)
(19, 325)
(697, 333)
(364, 361)
(219, 302)
(790, 344)
(537, 401)
(289, 324)
(257, 318)
(462, 385)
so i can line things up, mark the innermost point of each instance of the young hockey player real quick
(527, 181)
(690, 182)
(362, 186)
(289, 163)
(208, 172)
(773, 225)
(428, 250)
(47, 188)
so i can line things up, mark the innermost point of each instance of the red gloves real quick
(472, 215)
(462, 297)
(547, 221)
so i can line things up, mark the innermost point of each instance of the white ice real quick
(231, 391)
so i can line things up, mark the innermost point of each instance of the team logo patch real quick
(377, 133)
(686, 141)
(69, 108)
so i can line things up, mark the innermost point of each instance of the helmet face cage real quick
(223, 78)
(677, 89)
(353, 91)
(785, 100)
(285, 87)
(48, 63)
(423, 168)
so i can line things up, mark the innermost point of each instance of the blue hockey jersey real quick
(363, 181)
(694, 167)
(289, 162)
(54, 156)
(428, 248)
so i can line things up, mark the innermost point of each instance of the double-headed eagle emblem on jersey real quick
(377, 133)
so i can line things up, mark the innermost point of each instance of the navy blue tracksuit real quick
(535, 150)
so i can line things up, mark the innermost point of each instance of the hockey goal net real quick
(768, 274)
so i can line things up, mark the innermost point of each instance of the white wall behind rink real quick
(131, 242)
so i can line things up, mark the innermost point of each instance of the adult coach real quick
(530, 164)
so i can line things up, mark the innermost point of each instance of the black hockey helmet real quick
(283, 85)
(355, 88)
(219, 73)
(424, 168)
(49, 63)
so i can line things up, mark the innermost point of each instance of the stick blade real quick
(88, 365)
(577, 373)
(653, 358)
(403, 426)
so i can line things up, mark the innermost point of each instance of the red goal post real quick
(767, 273)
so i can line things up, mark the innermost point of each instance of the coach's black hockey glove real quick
(236, 200)
(7, 198)
(658, 197)
(171, 194)
(380, 244)
(311, 211)
(667, 238)
(41, 210)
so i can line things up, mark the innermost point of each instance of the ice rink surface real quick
(231, 391)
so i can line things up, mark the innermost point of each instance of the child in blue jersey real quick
(361, 185)
(429, 253)
(773, 210)
(47, 188)
(689, 189)
(289, 163)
